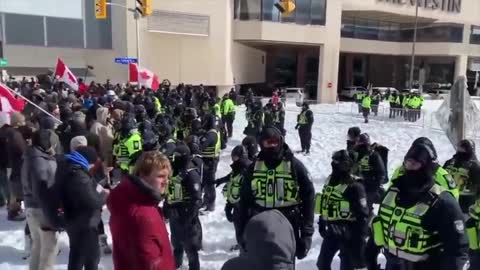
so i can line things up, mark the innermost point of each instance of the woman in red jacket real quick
(139, 234)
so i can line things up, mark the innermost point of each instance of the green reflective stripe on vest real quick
(231, 191)
(213, 151)
(274, 188)
(402, 229)
(302, 118)
(157, 104)
(473, 232)
(332, 205)
(176, 192)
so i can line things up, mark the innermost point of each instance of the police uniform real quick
(343, 211)
(183, 201)
(366, 106)
(277, 180)
(419, 224)
(231, 189)
(210, 145)
(125, 148)
(304, 126)
(228, 114)
(473, 233)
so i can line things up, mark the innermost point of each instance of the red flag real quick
(8, 101)
(65, 75)
(144, 77)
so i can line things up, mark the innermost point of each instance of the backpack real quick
(383, 153)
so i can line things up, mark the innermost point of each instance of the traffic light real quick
(144, 7)
(101, 9)
(285, 6)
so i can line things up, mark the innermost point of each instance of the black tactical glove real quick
(229, 212)
(322, 227)
(303, 246)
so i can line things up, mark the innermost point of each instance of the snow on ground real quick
(329, 135)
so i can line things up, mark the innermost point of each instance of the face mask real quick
(463, 155)
(273, 153)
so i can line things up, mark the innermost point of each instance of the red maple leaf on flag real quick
(145, 75)
(71, 77)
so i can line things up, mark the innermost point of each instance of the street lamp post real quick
(412, 64)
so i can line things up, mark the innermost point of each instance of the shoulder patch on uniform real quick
(363, 202)
(459, 226)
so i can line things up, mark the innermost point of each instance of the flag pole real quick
(33, 104)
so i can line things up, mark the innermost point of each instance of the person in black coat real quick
(210, 146)
(343, 230)
(297, 202)
(435, 238)
(250, 143)
(184, 199)
(82, 199)
(464, 167)
(233, 182)
(370, 168)
(304, 126)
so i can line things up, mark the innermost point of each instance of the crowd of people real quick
(152, 156)
(405, 105)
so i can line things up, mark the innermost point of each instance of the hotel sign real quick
(454, 6)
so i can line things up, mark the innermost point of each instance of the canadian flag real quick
(65, 75)
(8, 102)
(144, 77)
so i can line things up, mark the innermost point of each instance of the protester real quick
(16, 146)
(82, 199)
(140, 237)
(38, 176)
(269, 244)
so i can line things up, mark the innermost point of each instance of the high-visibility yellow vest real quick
(367, 102)
(302, 118)
(231, 191)
(124, 150)
(332, 205)
(274, 188)
(214, 150)
(399, 230)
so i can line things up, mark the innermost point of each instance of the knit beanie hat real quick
(88, 153)
(77, 142)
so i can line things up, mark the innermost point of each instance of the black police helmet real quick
(429, 143)
(354, 132)
(240, 152)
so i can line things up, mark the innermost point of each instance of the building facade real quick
(322, 46)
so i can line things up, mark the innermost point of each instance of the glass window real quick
(24, 30)
(249, 9)
(348, 27)
(64, 32)
(269, 11)
(302, 11)
(318, 11)
(99, 32)
(475, 35)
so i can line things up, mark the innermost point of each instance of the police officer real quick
(255, 120)
(370, 168)
(420, 225)
(228, 113)
(366, 106)
(352, 136)
(465, 170)
(304, 126)
(127, 142)
(210, 144)
(473, 232)
(343, 210)
(184, 199)
(231, 191)
(277, 180)
(440, 175)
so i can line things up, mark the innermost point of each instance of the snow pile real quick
(329, 135)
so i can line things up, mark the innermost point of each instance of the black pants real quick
(305, 138)
(351, 252)
(186, 238)
(371, 255)
(366, 112)
(474, 257)
(208, 184)
(84, 249)
(228, 120)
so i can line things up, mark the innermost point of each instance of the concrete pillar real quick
(461, 63)
(328, 74)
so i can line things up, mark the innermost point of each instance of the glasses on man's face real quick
(412, 165)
